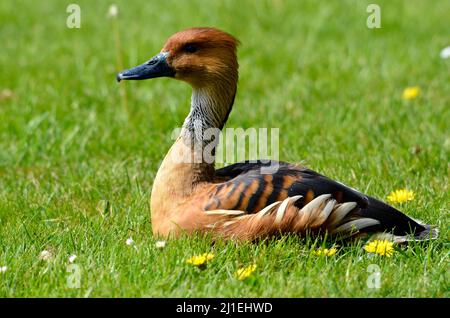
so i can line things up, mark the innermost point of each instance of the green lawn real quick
(76, 166)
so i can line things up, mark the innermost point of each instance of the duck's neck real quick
(210, 107)
(191, 159)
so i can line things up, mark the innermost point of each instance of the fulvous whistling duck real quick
(240, 201)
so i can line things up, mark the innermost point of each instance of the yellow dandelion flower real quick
(245, 272)
(411, 92)
(383, 248)
(400, 196)
(200, 260)
(325, 251)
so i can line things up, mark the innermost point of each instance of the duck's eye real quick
(191, 48)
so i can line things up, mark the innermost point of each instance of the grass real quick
(76, 167)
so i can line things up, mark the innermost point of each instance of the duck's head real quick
(199, 56)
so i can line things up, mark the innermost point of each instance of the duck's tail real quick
(394, 225)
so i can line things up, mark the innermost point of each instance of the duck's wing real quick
(251, 186)
(259, 198)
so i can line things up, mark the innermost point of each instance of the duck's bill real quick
(157, 66)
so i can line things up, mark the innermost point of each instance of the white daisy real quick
(72, 258)
(45, 255)
(160, 244)
(129, 241)
(445, 53)
(113, 11)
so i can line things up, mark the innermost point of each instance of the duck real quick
(253, 199)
